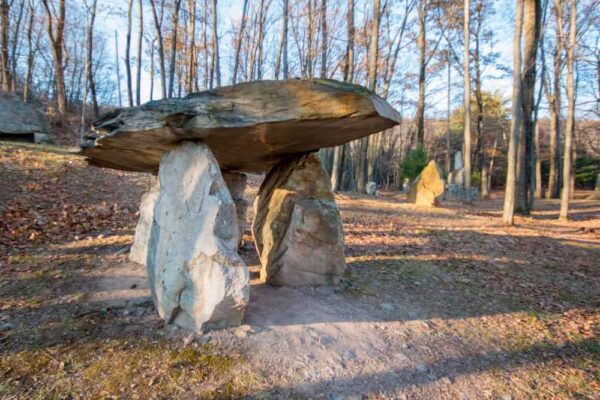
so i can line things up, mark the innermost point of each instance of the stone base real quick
(139, 249)
(297, 228)
(197, 279)
(236, 183)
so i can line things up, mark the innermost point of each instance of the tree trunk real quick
(174, 30)
(527, 152)
(511, 171)
(339, 153)
(56, 37)
(365, 170)
(215, 46)
(554, 100)
(30, 54)
(118, 69)
(570, 123)
(448, 112)
(128, 54)
(323, 38)
(467, 103)
(89, 82)
(4, 35)
(309, 41)
(349, 62)
(138, 78)
(538, 163)
(236, 60)
(421, 43)
(161, 49)
(191, 69)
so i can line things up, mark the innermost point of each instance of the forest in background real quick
(60, 55)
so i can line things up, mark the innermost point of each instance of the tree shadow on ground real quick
(582, 352)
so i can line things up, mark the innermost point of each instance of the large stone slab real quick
(139, 248)
(198, 280)
(248, 127)
(298, 229)
(428, 187)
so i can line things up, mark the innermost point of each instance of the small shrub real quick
(414, 163)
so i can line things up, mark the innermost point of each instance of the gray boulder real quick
(298, 229)
(139, 248)
(371, 188)
(22, 121)
(198, 280)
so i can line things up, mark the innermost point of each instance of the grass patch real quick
(139, 368)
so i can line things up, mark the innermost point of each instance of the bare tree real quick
(422, 45)
(158, 20)
(7, 84)
(174, 29)
(338, 153)
(553, 97)
(55, 28)
(216, 67)
(323, 39)
(467, 103)
(511, 171)
(128, 54)
(89, 81)
(118, 69)
(138, 79)
(30, 54)
(526, 151)
(363, 166)
(238, 47)
(191, 62)
(282, 55)
(570, 123)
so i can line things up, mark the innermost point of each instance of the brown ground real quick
(436, 304)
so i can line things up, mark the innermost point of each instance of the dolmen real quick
(192, 218)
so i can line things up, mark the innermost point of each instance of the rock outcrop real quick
(198, 280)
(22, 121)
(139, 249)
(249, 127)
(428, 187)
(298, 229)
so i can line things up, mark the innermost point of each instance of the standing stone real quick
(371, 188)
(236, 183)
(198, 280)
(298, 229)
(458, 160)
(139, 249)
(428, 187)
(406, 185)
(595, 195)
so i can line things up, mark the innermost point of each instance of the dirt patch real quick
(437, 303)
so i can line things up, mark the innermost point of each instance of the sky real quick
(231, 11)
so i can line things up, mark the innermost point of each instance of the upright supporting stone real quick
(236, 183)
(297, 228)
(198, 280)
(139, 249)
